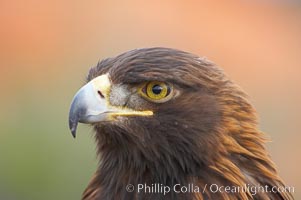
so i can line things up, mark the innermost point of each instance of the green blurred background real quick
(47, 48)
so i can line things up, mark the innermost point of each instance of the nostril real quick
(100, 94)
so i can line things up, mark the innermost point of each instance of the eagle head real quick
(170, 117)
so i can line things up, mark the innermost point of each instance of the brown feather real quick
(207, 135)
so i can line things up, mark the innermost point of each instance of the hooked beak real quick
(91, 104)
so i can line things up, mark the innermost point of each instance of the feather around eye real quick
(156, 91)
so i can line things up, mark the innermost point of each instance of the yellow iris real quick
(156, 91)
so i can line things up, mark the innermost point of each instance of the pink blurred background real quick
(47, 47)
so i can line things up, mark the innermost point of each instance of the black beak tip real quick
(73, 132)
(73, 127)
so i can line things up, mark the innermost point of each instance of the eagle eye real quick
(156, 91)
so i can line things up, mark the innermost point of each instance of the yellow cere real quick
(103, 84)
(128, 112)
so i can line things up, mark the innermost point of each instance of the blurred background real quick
(47, 48)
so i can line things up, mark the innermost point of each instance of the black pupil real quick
(157, 89)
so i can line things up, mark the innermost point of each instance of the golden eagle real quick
(165, 118)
